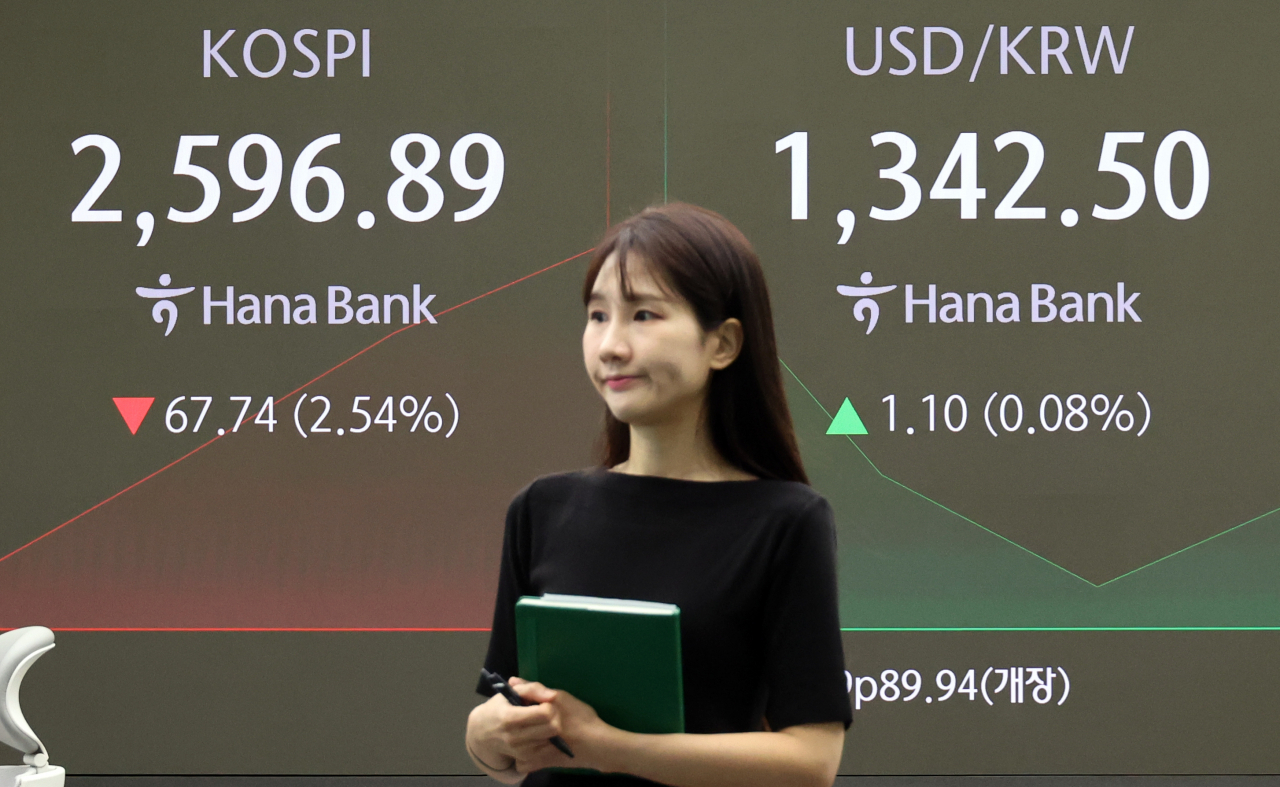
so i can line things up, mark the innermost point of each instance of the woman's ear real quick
(726, 342)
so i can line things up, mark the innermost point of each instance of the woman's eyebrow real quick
(635, 297)
(648, 295)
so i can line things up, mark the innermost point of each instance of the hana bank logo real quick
(865, 309)
(1047, 303)
(343, 306)
(164, 310)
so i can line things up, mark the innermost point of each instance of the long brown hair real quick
(707, 261)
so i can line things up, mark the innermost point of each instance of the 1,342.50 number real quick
(964, 157)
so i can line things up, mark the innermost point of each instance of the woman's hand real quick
(517, 741)
(513, 740)
(575, 721)
(501, 736)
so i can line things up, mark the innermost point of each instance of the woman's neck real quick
(678, 450)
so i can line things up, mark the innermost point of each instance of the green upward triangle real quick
(846, 421)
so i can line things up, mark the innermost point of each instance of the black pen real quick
(502, 687)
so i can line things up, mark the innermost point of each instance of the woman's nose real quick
(613, 342)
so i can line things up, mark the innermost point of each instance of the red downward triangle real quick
(133, 409)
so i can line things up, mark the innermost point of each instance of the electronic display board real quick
(291, 310)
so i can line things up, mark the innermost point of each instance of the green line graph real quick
(910, 563)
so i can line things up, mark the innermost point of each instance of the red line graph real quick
(295, 391)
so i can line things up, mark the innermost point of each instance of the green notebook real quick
(620, 657)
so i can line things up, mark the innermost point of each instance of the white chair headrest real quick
(19, 649)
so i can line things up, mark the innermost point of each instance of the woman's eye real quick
(644, 315)
(595, 316)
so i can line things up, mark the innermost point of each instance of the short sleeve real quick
(804, 657)
(513, 582)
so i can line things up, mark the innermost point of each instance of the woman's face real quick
(648, 356)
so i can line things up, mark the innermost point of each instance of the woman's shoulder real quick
(557, 487)
(793, 495)
(801, 511)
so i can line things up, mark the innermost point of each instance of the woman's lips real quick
(620, 382)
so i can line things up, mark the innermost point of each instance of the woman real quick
(702, 501)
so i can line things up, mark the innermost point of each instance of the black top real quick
(751, 564)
